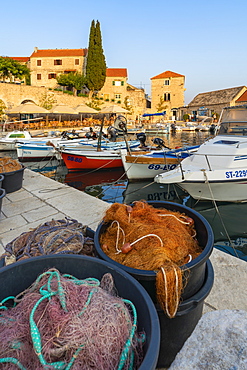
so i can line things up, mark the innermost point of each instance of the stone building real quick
(167, 92)
(115, 87)
(117, 90)
(208, 103)
(46, 65)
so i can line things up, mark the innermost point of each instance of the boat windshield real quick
(234, 121)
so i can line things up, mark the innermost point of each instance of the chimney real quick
(35, 49)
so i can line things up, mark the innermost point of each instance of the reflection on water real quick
(228, 220)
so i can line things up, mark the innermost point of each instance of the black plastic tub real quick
(1, 180)
(174, 332)
(2, 194)
(194, 271)
(17, 277)
(13, 180)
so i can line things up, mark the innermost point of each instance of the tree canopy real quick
(96, 64)
(11, 68)
(74, 80)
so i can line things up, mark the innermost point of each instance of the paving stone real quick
(11, 234)
(11, 223)
(18, 195)
(15, 208)
(40, 213)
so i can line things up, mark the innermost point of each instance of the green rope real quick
(2, 307)
(47, 292)
(13, 361)
(127, 345)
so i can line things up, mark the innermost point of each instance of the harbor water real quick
(228, 220)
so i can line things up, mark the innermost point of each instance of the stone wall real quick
(13, 95)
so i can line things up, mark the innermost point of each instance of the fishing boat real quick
(8, 142)
(94, 144)
(79, 160)
(146, 165)
(35, 151)
(218, 170)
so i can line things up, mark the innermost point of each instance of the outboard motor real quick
(160, 143)
(112, 132)
(141, 136)
(120, 124)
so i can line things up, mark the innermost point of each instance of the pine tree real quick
(96, 64)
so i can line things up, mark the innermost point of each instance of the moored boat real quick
(8, 142)
(83, 160)
(146, 165)
(218, 170)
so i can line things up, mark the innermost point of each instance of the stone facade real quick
(14, 95)
(115, 87)
(117, 90)
(46, 65)
(167, 89)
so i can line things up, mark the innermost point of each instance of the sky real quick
(203, 40)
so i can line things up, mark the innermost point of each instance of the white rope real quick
(118, 230)
(217, 210)
(170, 215)
(170, 315)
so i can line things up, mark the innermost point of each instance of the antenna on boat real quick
(100, 134)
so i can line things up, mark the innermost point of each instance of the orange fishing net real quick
(8, 164)
(148, 238)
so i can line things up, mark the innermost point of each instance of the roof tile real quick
(243, 97)
(166, 74)
(59, 53)
(116, 72)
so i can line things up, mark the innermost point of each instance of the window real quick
(167, 97)
(38, 76)
(122, 83)
(117, 96)
(51, 75)
(167, 82)
(38, 62)
(57, 62)
(77, 62)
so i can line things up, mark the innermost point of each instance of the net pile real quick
(63, 323)
(8, 164)
(148, 238)
(56, 236)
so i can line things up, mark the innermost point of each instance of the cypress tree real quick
(96, 64)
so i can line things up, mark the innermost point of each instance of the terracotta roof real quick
(243, 97)
(59, 53)
(20, 59)
(116, 72)
(166, 74)
(216, 97)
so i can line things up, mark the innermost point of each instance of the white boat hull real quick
(141, 171)
(230, 191)
(37, 153)
(217, 171)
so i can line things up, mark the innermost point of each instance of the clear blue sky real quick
(203, 40)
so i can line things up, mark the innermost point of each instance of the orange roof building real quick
(47, 64)
(167, 91)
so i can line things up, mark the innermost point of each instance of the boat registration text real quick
(239, 173)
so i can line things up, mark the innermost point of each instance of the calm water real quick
(228, 220)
